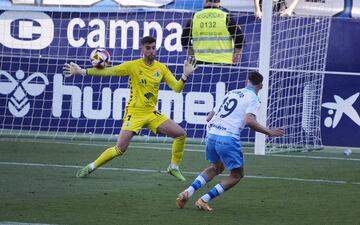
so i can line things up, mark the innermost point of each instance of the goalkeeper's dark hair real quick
(255, 77)
(147, 40)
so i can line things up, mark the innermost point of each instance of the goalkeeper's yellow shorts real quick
(137, 118)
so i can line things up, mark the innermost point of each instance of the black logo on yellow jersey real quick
(142, 81)
(157, 113)
(148, 95)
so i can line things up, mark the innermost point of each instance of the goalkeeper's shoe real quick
(182, 199)
(176, 173)
(83, 172)
(200, 204)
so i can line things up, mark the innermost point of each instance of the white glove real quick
(189, 67)
(73, 69)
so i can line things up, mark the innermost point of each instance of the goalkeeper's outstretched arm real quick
(189, 67)
(178, 85)
(73, 69)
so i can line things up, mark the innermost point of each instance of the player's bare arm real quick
(251, 122)
(210, 116)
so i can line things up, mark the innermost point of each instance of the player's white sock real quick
(198, 183)
(214, 192)
(92, 166)
(174, 166)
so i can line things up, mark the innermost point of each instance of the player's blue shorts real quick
(224, 149)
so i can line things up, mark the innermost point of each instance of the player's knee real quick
(218, 168)
(181, 134)
(237, 174)
(221, 169)
(236, 178)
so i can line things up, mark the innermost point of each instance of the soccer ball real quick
(100, 57)
(347, 152)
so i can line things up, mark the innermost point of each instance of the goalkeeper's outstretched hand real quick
(189, 67)
(73, 69)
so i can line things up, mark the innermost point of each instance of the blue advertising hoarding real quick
(340, 110)
(34, 60)
(341, 102)
(86, 104)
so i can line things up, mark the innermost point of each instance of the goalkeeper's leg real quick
(177, 153)
(173, 130)
(110, 153)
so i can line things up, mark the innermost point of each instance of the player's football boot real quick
(200, 204)
(176, 173)
(83, 172)
(182, 199)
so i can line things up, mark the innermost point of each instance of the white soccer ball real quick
(100, 57)
(347, 152)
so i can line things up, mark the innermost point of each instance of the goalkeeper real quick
(145, 75)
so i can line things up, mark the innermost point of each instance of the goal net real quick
(38, 102)
(297, 66)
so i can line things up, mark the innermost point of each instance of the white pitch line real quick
(69, 142)
(136, 145)
(316, 157)
(18, 223)
(185, 172)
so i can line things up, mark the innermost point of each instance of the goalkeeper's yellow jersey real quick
(144, 80)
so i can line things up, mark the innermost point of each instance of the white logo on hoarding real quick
(98, 37)
(196, 107)
(19, 103)
(35, 30)
(339, 108)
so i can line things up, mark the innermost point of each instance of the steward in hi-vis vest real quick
(212, 41)
(213, 36)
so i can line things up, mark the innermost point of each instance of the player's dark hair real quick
(255, 77)
(214, 1)
(147, 40)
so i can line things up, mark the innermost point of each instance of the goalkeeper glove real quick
(189, 67)
(73, 69)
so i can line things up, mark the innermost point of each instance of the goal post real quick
(264, 69)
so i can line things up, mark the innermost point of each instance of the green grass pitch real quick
(38, 185)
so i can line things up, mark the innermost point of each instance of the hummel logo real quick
(341, 107)
(19, 103)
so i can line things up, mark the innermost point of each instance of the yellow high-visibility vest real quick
(212, 41)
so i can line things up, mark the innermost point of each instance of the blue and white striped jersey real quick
(229, 118)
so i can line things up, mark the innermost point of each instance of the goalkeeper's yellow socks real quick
(106, 156)
(177, 151)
